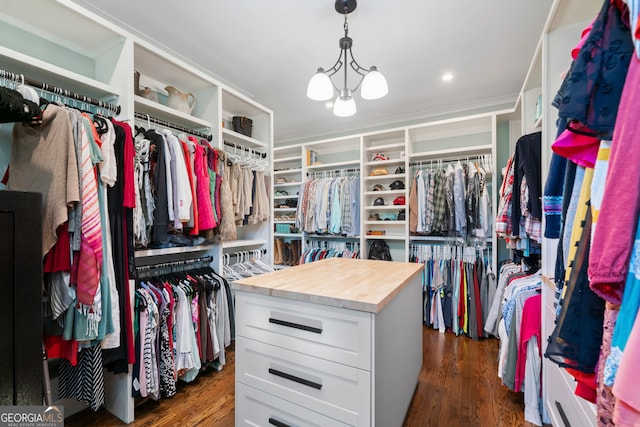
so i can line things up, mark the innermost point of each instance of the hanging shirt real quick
(43, 160)
(182, 199)
(459, 200)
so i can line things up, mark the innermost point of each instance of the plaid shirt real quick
(532, 226)
(428, 206)
(439, 201)
(505, 208)
(345, 205)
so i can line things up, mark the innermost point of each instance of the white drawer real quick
(331, 333)
(337, 391)
(563, 405)
(257, 408)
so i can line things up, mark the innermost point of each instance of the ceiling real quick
(269, 50)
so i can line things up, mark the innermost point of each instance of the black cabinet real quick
(21, 367)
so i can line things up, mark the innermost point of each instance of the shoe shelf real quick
(388, 176)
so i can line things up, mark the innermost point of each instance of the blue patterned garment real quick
(626, 316)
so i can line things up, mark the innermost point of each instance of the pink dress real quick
(613, 237)
(206, 221)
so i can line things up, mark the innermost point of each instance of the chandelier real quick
(372, 83)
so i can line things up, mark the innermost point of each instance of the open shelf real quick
(449, 239)
(334, 165)
(385, 208)
(385, 193)
(233, 137)
(388, 147)
(37, 69)
(382, 163)
(242, 243)
(388, 176)
(385, 237)
(288, 159)
(330, 236)
(144, 253)
(452, 153)
(298, 235)
(162, 112)
(287, 184)
(390, 222)
(286, 171)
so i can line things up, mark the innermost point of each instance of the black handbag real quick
(242, 124)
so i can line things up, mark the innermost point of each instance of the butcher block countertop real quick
(356, 284)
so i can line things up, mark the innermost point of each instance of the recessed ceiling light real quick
(446, 77)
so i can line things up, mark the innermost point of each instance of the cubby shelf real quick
(334, 165)
(286, 171)
(233, 137)
(388, 147)
(145, 253)
(385, 237)
(243, 243)
(162, 112)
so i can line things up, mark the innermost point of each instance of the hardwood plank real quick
(457, 386)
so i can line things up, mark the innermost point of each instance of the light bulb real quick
(344, 106)
(374, 85)
(320, 87)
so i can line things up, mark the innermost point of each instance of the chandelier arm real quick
(336, 67)
(355, 89)
(357, 67)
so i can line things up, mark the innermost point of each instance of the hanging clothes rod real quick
(20, 78)
(334, 173)
(231, 144)
(244, 253)
(173, 266)
(475, 157)
(166, 124)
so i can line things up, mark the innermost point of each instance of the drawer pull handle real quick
(277, 423)
(295, 325)
(295, 379)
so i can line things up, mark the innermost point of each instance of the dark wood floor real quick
(458, 386)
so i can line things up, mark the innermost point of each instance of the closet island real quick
(336, 342)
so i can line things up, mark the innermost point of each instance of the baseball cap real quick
(399, 200)
(378, 202)
(379, 171)
(377, 187)
(380, 156)
(397, 185)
